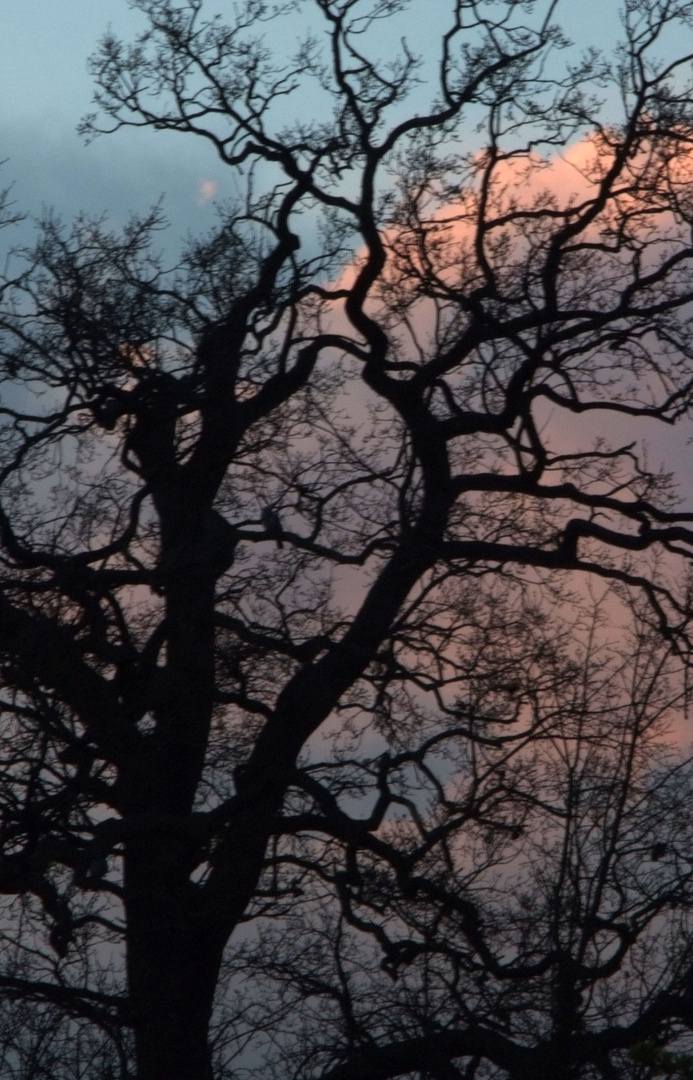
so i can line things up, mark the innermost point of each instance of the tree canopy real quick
(342, 615)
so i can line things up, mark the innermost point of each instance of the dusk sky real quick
(45, 89)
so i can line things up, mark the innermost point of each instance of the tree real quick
(527, 914)
(368, 345)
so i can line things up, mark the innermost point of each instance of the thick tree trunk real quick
(173, 964)
(173, 953)
(172, 991)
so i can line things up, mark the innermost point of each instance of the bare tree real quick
(253, 499)
(526, 912)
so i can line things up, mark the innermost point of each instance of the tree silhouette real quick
(384, 341)
(527, 913)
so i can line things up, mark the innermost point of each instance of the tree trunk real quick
(173, 965)
(172, 991)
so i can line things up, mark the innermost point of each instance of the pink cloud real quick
(206, 190)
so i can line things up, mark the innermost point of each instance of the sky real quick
(45, 89)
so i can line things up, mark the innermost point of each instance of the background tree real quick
(368, 345)
(527, 911)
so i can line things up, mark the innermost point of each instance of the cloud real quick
(206, 190)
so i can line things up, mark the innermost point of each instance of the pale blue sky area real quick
(45, 89)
